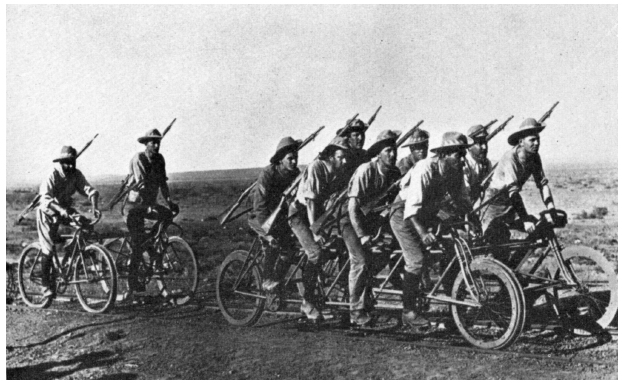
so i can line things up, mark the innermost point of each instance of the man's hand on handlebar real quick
(64, 213)
(365, 240)
(174, 207)
(529, 227)
(428, 239)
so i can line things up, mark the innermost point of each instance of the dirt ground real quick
(194, 342)
(153, 341)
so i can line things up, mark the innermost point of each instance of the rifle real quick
(288, 193)
(226, 215)
(125, 189)
(324, 219)
(37, 199)
(499, 128)
(548, 113)
(373, 117)
(490, 124)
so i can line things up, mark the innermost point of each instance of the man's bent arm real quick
(547, 197)
(355, 213)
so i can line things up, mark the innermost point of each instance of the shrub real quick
(597, 213)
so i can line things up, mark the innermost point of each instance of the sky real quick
(239, 78)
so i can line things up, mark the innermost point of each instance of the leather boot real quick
(269, 261)
(412, 315)
(309, 279)
(46, 269)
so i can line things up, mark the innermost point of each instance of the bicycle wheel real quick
(242, 306)
(95, 278)
(120, 250)
(596, 299)
(179, 276)
(499, 320)
(29, 277)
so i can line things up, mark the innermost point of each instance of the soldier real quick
(423, 190)
(56, 208)
(418, 145)
(514, 169)
(370, 182)
(271, 183)
(148, 171)
(476, 163)
(317, 184)
(356, 155)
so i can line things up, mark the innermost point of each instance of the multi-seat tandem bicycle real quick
(490, 299)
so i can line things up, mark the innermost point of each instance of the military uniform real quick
(513, 169)
(474, 173)
(367, 184)
(58, 187)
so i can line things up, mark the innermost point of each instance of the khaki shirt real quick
(406, 163)
(59, 187)
(318, 183)
(474, 173)
(368, 182)
(271, 184)
(424, 187)
(516, 169)
(152, 172)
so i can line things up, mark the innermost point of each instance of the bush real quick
(597, 213)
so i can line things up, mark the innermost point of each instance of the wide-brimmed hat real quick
(385, 138)
(339, 142)
(67, 153)
(153, 134)
(476, 132)
(419, 137)
(529, 127)
(452, 141)
(356, 126)
(286, 145)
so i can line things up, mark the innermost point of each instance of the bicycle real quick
(86, 265)
(486, 301)
(578, 283)
(168, 260)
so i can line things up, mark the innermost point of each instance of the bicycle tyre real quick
(597, 274)
(522, 300)
(120, 251)
(497, 323)
(239, 310)
(29, 287)
(98, 292)
(180, 270)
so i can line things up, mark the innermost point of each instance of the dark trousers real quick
(278, 253)
(135, 220)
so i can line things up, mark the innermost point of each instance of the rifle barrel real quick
(546, 115)
(373, 117)
(87, 145)
(169, 127)
(404, 137)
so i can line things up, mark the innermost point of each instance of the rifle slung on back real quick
(227, 214)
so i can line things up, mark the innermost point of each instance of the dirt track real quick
(191, 342)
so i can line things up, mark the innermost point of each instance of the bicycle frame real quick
(463, 256)
(550, 243)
